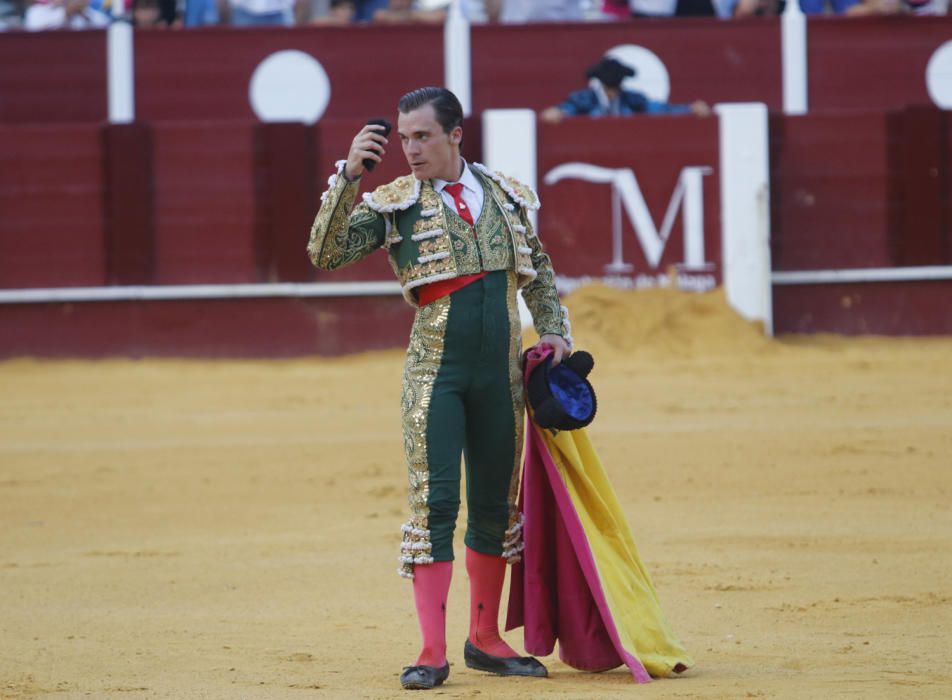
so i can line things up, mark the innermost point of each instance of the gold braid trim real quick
(524, 195)
(424, 356)
(513, 545)
(399, 194)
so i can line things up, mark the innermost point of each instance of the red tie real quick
(456, 189)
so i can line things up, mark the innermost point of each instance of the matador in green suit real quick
(460, 242)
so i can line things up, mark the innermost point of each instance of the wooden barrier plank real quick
(285, 200)
(52, 77)
(129, 213)
(51, 206)
(923, 174)
(204, 202)
(862, 308)
(833, 197)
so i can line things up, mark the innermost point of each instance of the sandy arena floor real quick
(174, 529)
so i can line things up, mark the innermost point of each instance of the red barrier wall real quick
(832, 192)
(853, 63)
(232, 202)
(871, 62)
(537, 66)
(866, 189)
(863, 308)
(205, 73)
(51, 206)
(204, 203)
(205, 328)
(52, 77)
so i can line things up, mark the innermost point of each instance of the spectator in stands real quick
(200, 13)
(155, 13)
(606, 97)
(481, 10)
(314, 8)
(754, 8)
(11, 13)
(405, 11)
(146, 13)
(249, 13)
(364, 9)
(615, 9)
(653, 8)
(818, 7)
(671, 8)
(63, 14)
(926, 7)
(338, 12)
(517, 11)
(898, 7)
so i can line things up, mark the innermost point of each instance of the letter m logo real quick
(688, 196)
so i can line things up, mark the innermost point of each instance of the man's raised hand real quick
(368, 143)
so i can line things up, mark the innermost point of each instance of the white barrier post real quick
(509, 146)
(120, 73)
(456, 57)
(793, 28)
(745, 210)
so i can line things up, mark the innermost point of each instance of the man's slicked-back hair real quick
(448, 110)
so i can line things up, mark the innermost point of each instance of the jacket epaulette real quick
(521, 193)
(398, 195)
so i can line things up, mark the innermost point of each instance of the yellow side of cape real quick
(629, 593)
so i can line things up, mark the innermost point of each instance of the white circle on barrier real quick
(289, 86)
(652, 76)
(939, 76)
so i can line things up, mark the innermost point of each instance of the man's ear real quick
(456, 135)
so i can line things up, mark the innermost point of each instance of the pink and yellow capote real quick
(581, 580)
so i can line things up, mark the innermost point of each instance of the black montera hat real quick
(610, 72)
(562, 397)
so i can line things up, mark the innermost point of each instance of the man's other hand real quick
(560, 349)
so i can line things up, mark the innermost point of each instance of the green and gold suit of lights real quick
(462, 382)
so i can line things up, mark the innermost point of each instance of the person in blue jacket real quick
(606, 97)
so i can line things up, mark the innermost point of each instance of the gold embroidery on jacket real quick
(339, 237)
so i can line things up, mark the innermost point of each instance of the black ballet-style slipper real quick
(502, 665)
(424, 677)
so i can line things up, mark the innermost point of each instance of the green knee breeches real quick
(462, 394)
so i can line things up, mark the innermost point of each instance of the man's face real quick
(430, 151)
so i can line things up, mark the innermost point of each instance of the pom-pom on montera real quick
(561, 397)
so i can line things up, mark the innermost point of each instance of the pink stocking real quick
(486, 574)
(431, 587)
